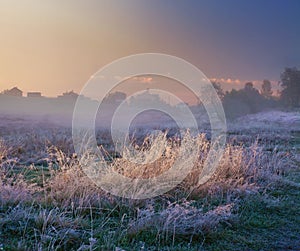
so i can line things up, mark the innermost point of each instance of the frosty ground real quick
(250, 203)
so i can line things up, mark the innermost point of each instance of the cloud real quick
(144, 80)
(138, 79)
(229, 83)
(97, 76)
(226, 80)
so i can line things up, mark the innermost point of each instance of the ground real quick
(251, 203)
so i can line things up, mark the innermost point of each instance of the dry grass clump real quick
(44, 229)
(235, 171)
(144, 165)
(136, 167)
(72, 187)
(181, 219)
(3, 151)
(240, 171)
(13, 187)
(69, 185)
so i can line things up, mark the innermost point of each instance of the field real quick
(252, 201)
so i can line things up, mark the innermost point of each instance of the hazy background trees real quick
(266, 89)
(240, 102)
(290, 82)
(251, 100)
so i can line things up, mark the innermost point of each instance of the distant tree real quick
(249, 86)
(234, 104)
(266, 89)
(244, 101)
(114, 98)
(218, 89)
(252, 97)
(290, 81)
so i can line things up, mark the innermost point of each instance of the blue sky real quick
(242, 39)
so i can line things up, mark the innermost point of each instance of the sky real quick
(55, 46)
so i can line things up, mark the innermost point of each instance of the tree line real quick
(251, 100)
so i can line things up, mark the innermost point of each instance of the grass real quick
(268, 221)
(251, 203)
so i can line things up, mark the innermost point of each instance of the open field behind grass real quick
(251, 203)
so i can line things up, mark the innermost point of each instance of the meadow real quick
(252, 201)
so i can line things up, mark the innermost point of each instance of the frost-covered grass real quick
(250, 203)
(271, 120)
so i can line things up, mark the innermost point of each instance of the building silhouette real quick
(34, 94)
(71, 95)
(16, 92)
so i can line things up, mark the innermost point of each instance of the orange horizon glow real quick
(53, 46)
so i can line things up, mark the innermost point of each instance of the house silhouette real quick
(34, 94)
(71, 95)
(13, 92)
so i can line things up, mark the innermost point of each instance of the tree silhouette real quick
(249, 86)
(244, 101)
(218, 89)
(290, 81)
(266, 89)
